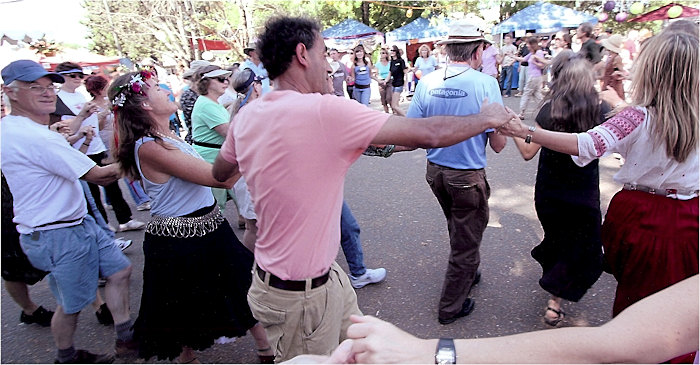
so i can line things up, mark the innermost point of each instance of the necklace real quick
(171, 136)
(457, 74)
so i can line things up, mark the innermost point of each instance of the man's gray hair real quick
(462, 52)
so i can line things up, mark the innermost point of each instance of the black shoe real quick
(40, 316)
(467, 308)
(104, 316)
(86, 357)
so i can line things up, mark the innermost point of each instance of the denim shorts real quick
(398, 89)
(75, 256)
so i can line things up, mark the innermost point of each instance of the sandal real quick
(553, 322)
(265, 359)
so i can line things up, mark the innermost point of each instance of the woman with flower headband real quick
(196, 272)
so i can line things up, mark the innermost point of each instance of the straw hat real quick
(613, 43)
(194, 66)
(461, 31)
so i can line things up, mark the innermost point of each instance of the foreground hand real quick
(376, 341)
(496, 113)
(341, 355)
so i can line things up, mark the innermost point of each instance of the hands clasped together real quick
(505, 120)
(374, 341)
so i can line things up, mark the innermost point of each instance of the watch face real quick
(445, 356)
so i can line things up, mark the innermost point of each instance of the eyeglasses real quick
(359, 50)
(39, 90)
(221, 79)
(76, 76)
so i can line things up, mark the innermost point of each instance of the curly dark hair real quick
(95, 84)
(277, 44)
(132, 123)
(66, 66)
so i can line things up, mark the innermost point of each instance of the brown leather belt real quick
(291, 285)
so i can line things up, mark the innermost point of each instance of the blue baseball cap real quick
(27, 70)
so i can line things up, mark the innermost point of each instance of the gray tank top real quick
(176, 197)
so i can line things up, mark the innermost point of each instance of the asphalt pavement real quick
(404, 231)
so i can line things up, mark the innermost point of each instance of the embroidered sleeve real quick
(601, 140)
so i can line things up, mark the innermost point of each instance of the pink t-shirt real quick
(488, 61)
(532, 69)
(294, 151)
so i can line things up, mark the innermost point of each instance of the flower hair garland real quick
(136, 85)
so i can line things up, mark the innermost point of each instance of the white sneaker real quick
(144, 206)
(122, 243)
(371, 276)
(131, 225)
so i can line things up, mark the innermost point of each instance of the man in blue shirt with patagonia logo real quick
(456, 173)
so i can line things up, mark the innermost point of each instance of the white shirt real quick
(645, 164)
(228, 96)
(42, 171)
(260, 71)
(75, 102)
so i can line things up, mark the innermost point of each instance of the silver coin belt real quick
(185, 227)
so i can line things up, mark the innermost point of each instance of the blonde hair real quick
(424, 47)
(665, 81)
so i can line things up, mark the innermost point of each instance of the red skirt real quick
(650, 242)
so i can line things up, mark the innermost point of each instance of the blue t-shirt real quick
(462, 93)
(171, 97)
(426, 66)
(383, 71)
(362, 75)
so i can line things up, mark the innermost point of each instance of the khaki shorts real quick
(314, 321)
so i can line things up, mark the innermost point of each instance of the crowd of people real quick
(277, 135)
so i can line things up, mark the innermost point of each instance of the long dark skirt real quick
(194, 291)
(571, 252)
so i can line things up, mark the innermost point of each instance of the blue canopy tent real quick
(349, 33)
(419, 29)
(543, 18)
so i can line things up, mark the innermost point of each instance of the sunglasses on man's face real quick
(76, 76)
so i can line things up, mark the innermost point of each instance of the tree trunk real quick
(365, 12)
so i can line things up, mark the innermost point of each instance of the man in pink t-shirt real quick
(294, 147)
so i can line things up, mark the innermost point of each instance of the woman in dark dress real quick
(567, 197)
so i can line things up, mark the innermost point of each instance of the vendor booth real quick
(543, 18)
(349, 33)
(416, 33)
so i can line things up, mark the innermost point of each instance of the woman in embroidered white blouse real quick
(650, 233)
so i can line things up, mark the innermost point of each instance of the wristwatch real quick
(445, 352)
